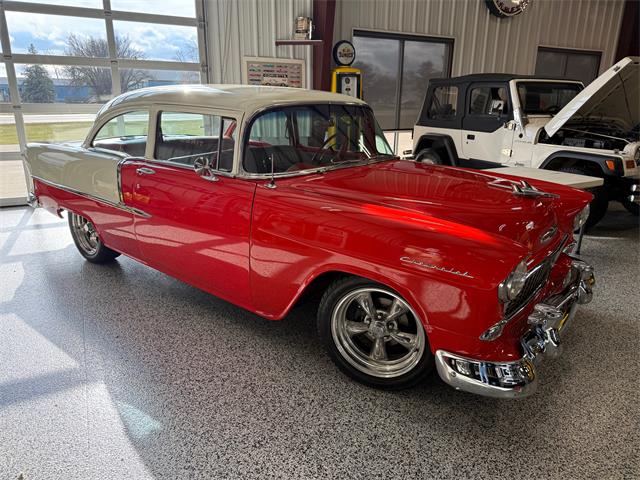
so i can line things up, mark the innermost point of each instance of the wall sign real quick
(507, 8)
(344, 53)
(274, 72)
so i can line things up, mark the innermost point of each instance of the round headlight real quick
(581, 218)
(514, 283)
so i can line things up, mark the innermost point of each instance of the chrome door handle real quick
(145, 171)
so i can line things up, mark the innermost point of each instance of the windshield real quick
(546, 98)
(307, 137)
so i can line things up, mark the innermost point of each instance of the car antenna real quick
(272, 183)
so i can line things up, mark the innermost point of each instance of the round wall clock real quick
(507, 8)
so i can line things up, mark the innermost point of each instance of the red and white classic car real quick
(260, 195)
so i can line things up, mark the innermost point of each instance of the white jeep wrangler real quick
(488, 120)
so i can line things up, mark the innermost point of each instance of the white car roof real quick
(242, 98)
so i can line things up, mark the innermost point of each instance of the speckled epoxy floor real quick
(113, 372)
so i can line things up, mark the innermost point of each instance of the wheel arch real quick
(596, 163)
(442, 144)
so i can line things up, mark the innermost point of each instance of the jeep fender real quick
(443, 144)
(559, 159)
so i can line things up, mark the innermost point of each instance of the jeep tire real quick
(429, 156)
(600, 202)
(632, 207)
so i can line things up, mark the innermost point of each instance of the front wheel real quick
(87, 240)
(373, 335)
(600, 202)
(631, 207)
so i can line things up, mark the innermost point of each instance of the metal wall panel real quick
(239, 28)
(485, 43)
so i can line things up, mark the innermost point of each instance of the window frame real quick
(95, 129)
(402, 38)
(155, 119)
(570, 51)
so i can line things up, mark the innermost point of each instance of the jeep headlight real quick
(581, 218)
(511, 287)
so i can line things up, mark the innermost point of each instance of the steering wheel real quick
(321, 152)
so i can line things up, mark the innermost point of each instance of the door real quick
(197, 228)
(486, 131)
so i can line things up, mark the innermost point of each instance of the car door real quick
(196, 227)
(487, 134)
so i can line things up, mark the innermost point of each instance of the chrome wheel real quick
(377, 332)
(85, 233)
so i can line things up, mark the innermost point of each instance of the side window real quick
(443, 103)
(184, 137)
(489, 100)
(126, 133)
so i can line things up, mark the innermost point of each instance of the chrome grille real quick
(536, 279)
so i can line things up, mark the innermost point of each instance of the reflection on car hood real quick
(443, 198)
(612, 98)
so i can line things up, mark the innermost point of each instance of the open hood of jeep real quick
(612, 97)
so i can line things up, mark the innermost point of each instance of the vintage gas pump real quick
(344, 78)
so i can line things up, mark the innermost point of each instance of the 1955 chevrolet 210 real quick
(263, 195)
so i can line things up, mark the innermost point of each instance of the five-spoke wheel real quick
(373, 334)
(87, 240)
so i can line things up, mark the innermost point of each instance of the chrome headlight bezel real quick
(511, 286)
(581, 218)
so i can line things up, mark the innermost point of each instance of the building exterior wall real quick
(242, 28)
(484, 42)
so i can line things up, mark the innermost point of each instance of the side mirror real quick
(202, 166)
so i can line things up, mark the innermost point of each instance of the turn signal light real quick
(630, 164)
(611, 164)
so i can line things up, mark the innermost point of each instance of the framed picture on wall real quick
(275, 72)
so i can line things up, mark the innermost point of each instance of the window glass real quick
(443, 103)
(126, 133)
(134, 78)
(546, 98)
(378, 58)
(422, 61)
(185, 8)
(489, 100)
(57, 35)
(151, 41)
(70, 3)
(185, 137)
(569, 64)
(63, 83)
(310, 137)
(57, 127)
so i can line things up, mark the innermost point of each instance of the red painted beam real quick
(324, 12)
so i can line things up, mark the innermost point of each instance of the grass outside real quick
(66, 131)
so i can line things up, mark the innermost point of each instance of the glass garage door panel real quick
(379, 58)
(583, 67)
(422, 61)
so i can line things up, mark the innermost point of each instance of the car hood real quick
(612, 97)
(449, 200)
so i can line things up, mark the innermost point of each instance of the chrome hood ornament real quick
(525, 189)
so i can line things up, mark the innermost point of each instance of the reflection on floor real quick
(13, 186)
(121, 372)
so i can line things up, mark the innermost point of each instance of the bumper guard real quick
(519, 378)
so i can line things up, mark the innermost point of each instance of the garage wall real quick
(485, 43)
(238, 28)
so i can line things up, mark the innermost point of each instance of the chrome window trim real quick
(88, 196)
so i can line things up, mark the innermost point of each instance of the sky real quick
(49, 32)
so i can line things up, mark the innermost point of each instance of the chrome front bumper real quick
(519, 378)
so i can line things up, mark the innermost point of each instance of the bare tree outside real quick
(99, 78)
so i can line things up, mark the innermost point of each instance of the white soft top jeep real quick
(485, 120)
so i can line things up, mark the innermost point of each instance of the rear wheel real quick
(429, 156)
(88, 241)
(600, 202)
(373, 335)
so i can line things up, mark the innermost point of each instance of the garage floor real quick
(122, 372)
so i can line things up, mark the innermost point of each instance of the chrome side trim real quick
(120, 206)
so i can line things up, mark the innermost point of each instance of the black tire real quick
(429, 156)
(631, 207)
(600, 202)
(404, 364)
(88, 242)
